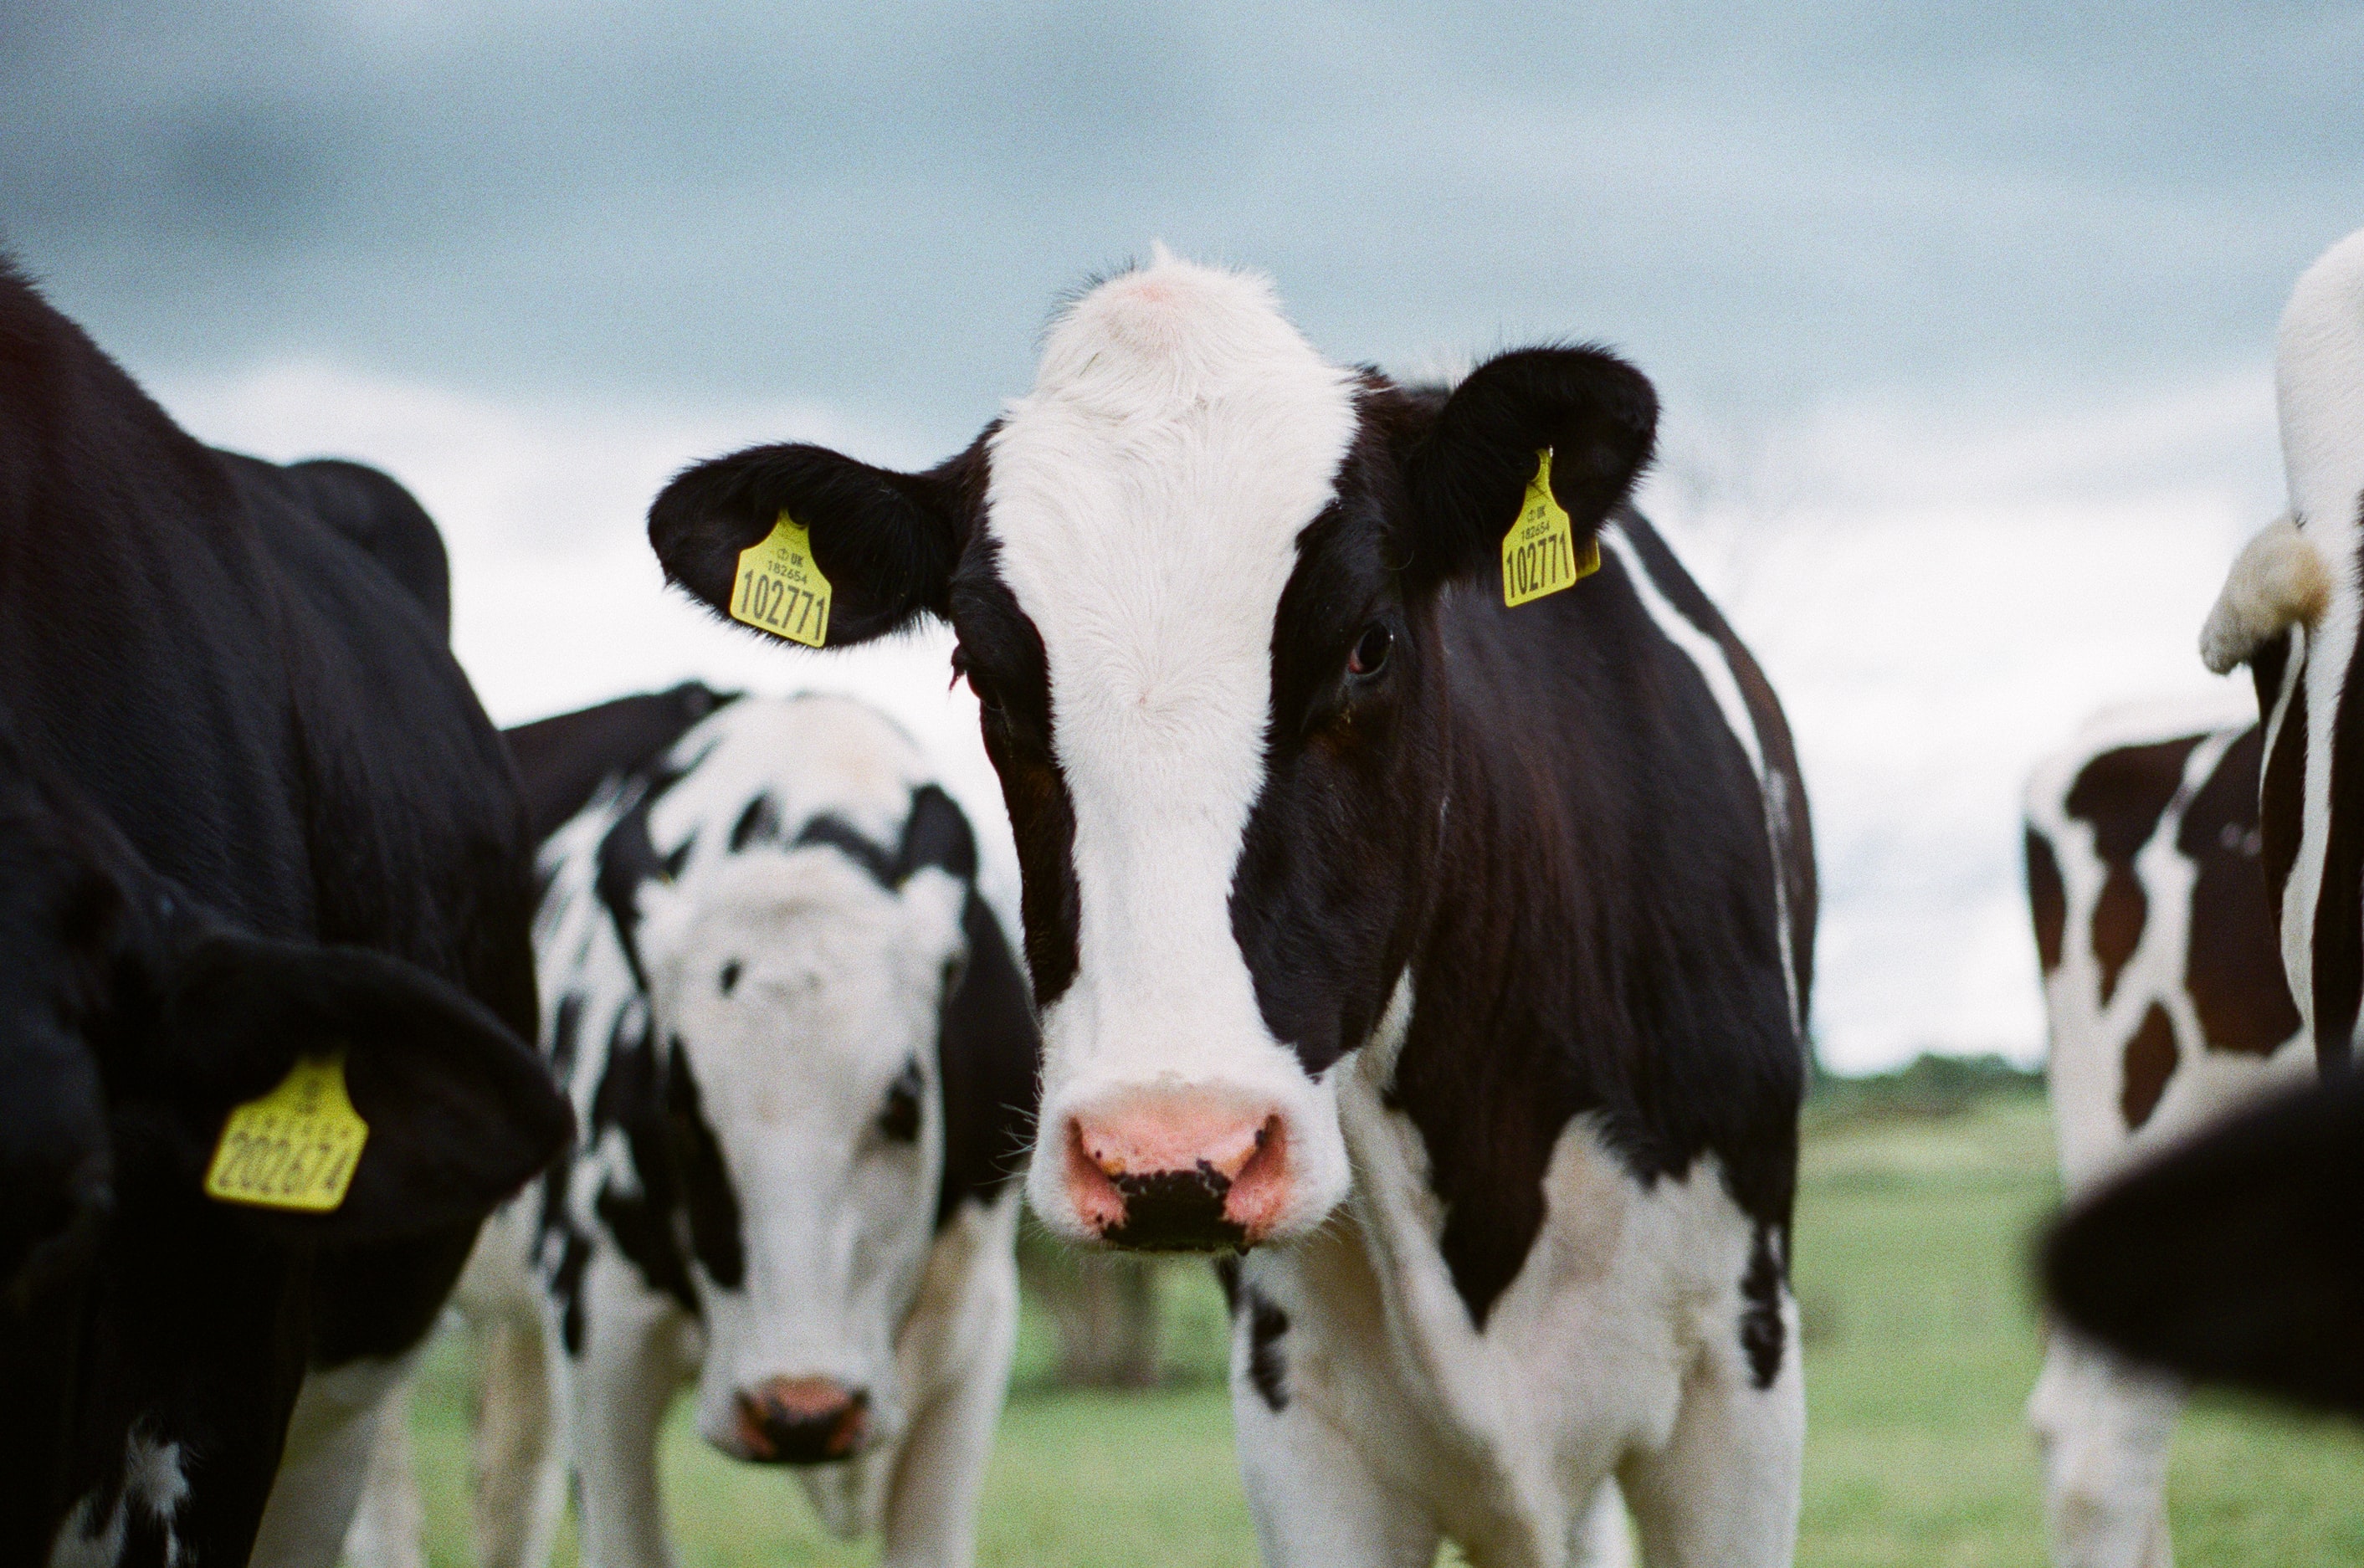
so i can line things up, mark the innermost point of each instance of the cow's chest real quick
(1505, 1431)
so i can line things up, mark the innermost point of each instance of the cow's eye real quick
(1371, 649)
(730, 976)
(962, 670)
(899, 1119)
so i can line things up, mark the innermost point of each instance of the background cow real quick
(1451, 956)
(803, 1060)
(253, 816)
(2168, 1009)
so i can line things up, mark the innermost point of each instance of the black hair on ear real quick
(1597, 414)
(886, 542)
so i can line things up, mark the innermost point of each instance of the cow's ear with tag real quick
(877, 546)
(2237, 1257)
(1469, 470)
(447, 1111)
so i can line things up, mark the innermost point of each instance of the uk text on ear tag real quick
(779, 589)
(1539, 553)
(296, 1147)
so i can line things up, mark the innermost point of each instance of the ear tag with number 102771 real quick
(779, 589)
(296, 1147)
(1539, 553)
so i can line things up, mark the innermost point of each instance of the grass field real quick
(1921, 1344)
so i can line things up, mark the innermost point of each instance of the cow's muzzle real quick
(1172, 1175)
(801, 1420)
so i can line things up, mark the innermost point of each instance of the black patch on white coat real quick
(2047, 900)
(707, 1195)
(987, 1053)
(2232, 965)
(1762, 1335)
(1267, 1366)
(2336, 947)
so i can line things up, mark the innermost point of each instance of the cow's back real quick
(2163, 986)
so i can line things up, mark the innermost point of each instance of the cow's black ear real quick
(461, 1112)
(886, 542)
(1468, 471)
(2237, 1258)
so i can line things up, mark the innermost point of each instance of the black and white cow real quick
(2234, 1258)
(1450, 956)
(2290, 609)
(252, 817)
(2168, 1011)
(803, 1060)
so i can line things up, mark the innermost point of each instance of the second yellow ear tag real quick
(1539, 553)
(296, 1147)
(779, 589)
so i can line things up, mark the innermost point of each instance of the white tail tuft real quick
(2279, 578)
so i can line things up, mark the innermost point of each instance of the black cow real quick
(259, 837)
(1417, 888)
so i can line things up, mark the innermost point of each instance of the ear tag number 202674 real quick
(779, 589)
(296, 1147)
(1539, 553)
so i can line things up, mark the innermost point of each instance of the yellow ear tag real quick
(779, 589)
(1539, 554)
(296, 1147)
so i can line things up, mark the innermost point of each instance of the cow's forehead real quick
(1147, 496)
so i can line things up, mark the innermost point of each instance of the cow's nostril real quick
(802, 1420)
(1178, 1176)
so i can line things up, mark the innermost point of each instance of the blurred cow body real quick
(2167, 1010)
(1448, 957)
(803, 1060)
(2235, 1259)
(254, 815)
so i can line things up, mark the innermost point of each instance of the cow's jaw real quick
(1146, 502)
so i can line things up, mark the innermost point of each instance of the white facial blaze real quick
(1147, 498)
(834, 990)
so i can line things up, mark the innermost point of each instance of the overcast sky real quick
(1962, 316)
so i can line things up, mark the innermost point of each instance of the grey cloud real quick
(1769, 205)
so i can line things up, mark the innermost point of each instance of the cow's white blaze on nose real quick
(1178, 1172)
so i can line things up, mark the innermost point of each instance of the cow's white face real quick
(1146, 501)
(803, 999)
(1197, 573)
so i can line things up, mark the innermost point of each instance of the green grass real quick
(1921, 1344)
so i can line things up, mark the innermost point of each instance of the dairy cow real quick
(2167, 1010)
(1444, 954)
(265, 979)
(2234, 1259)
(803, 1060)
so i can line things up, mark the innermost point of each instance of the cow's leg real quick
(520, 1478)
(1603, 1538)
(330, 1438)
(619, 1386)
(1314, 1498)
(932, 1500)
(389, 1521)
(2106, 1430)
(1722, 1492)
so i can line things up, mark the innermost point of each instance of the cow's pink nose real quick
(1178, 1174)
(802, 1420)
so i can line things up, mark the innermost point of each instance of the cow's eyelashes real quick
(987, 698)
(1369, 654)
(899, 1119)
